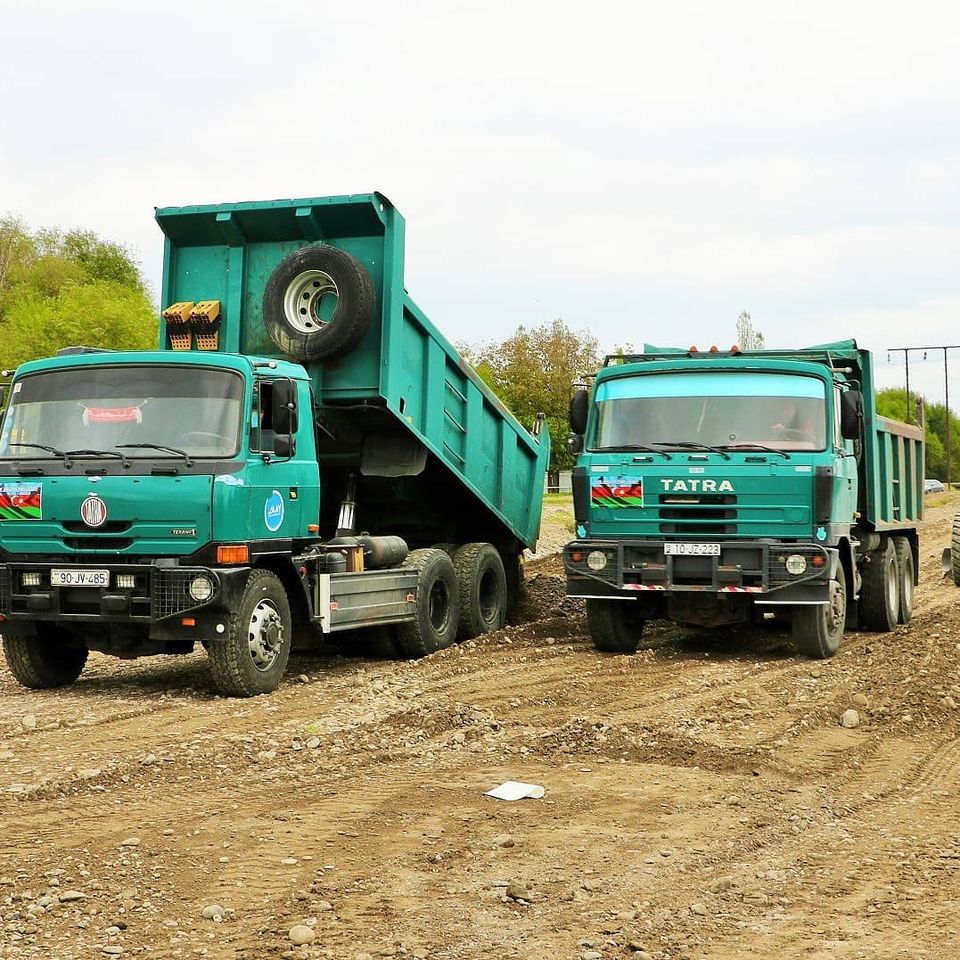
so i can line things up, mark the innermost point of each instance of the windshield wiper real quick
(158, 446)
(756, 446)
(125, 463)
(692, 445)
(632, 446)
(42, 446)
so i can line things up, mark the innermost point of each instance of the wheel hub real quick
(265, 637)
(310, 300)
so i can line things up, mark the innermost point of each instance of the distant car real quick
(932, 486)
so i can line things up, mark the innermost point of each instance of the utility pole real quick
(906, 351)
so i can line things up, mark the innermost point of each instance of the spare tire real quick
(318, 303)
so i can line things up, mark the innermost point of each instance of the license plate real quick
(692, 549)
(80, 578)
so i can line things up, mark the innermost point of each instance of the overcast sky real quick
(643, 170)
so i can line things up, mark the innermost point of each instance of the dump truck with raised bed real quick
(304, 455)
(717, 488)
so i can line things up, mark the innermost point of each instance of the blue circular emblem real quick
(273, 511)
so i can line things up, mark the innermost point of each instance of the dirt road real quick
(702, 800)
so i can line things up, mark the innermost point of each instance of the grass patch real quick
(559, 499)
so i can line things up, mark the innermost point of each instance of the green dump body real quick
(404, 365)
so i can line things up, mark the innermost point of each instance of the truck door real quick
(282, 475)
(844, 472)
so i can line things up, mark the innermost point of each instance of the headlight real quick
(30, 579)
(596, 559)
(126, 581)
(796, 564)
(201, 588)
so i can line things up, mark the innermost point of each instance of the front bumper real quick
(160, 592)
(749, 567)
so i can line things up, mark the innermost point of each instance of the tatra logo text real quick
(696, 485)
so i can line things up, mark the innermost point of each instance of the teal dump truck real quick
(713, 488)
(305, 455)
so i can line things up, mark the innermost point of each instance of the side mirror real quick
(851, 414)
(575, 443)
(285, 419)
(284, 446)
(579, 404)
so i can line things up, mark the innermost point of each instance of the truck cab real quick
(713, 488)
(143, 486)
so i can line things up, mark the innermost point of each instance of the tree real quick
(748, 337)
(892, 403)
(99, 314)
(532, 373)
(58, 289)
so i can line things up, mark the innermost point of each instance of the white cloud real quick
(638, 168)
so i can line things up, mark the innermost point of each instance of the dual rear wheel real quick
(462, 593)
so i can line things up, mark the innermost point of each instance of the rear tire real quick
(46, 660)
(252, 657)
(482, 585)
(437, 614)
(880, 590)
(955, 551)
(818, 630)
(615, 625)
(905, 573)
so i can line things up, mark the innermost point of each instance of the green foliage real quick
(892, 403)
(58, 289)
(95, 314)
(532, 372)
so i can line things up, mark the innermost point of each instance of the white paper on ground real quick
(514, 790)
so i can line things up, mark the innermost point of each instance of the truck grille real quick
(98, 543)
(171, 595)
(698, 514)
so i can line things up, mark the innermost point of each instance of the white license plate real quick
(692, 549)
(80, 578)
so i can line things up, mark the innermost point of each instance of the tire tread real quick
(32, 665)
(415, 638)
(874, 613)
(466, 563)
(226, 665)
(612, 632)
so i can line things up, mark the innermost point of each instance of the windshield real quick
(683, 410)
(105, 409)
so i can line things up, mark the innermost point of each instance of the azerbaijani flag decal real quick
(21, 501)
(616, 490)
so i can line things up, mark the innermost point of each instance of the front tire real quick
(615, 625)
(880, 591)
(46, 660)
(818, 630)
(253, 656)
